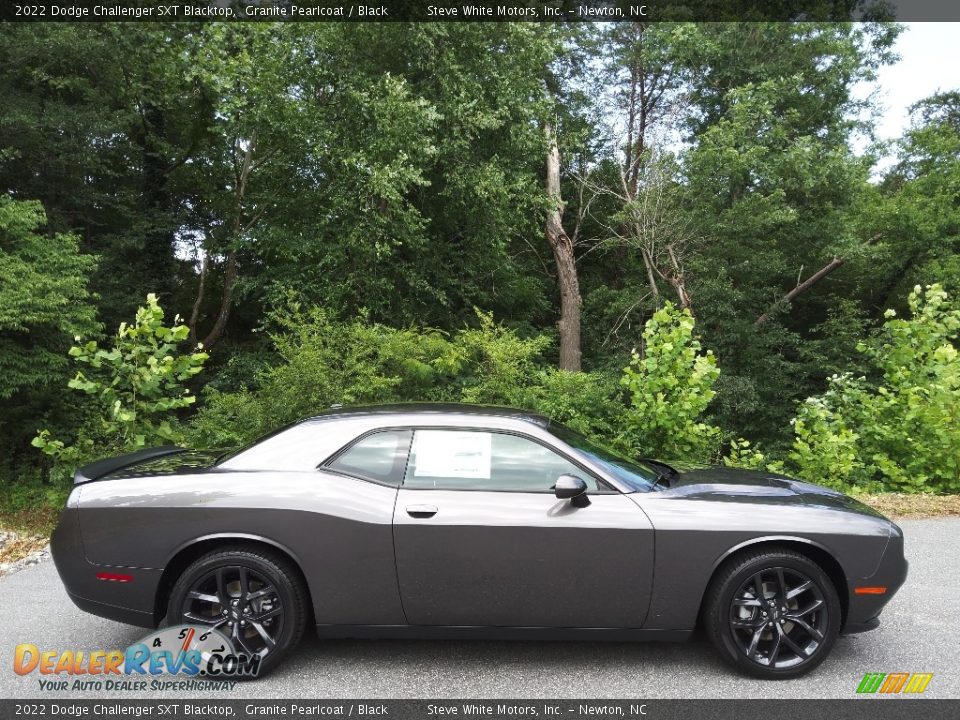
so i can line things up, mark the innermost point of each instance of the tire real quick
(271, 582)
(778, 644)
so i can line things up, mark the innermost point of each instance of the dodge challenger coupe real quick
(466, 521)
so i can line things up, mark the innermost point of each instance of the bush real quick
(589, 403)
(136, 386)
(899, 429)
(742, 454)
(44, 303)
(669, 384)
(28, 501)
(494, 366)
(327, 362)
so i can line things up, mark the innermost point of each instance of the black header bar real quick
(527, 709)
(484, 11)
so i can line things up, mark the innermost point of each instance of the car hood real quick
(724, 483)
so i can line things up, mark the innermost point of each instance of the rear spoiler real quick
(96, 470)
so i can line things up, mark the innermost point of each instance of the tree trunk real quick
(156, 259)
(678, 281)
(195, 313)
(562, 247)
(803, 287)
(230, 273)
(651, 280)
(226, 302)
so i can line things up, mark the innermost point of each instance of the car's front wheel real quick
(772, 613)
(254, 597)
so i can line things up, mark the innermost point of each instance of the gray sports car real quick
(465, 521)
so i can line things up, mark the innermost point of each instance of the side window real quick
(378, 457)
(478, 460)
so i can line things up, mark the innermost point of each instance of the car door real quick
(480, 538)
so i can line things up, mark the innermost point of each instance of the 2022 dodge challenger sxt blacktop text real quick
(466, 521)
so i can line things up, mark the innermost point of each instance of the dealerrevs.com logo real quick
(184, 652)
(894, 683)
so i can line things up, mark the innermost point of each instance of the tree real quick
(415, 149)
(898, 429)
(669, 383)
(771, 185)
(44, 303)
(252, 152)
(566, 263)
(644, 63)
(100, 125)
(914, 210)
(648, 220)
(136, 386)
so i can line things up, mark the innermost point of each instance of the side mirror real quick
(569, 487)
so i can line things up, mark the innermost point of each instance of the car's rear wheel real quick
(254, 597)
(772, 613)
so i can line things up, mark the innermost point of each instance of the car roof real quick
(421, 408)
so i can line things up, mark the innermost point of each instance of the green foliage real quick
(136, 384)
(494, 365)
(742, 454)
(669, 384)
(325, 362)
(405, 151)
(393, 174)
(43, 298)
(772, 184)
(897, 429)
(914, 213)
(29, 503)
(330, 362)
(499, 366)
(825, 445)
(589, 402)
(774, 195)
(44, 302)
(103, 125)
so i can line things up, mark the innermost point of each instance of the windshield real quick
(636, 475)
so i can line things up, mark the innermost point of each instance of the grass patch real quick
(21, 547)
(913, 506)
(32, 525)
(28, 505)
(38, 520)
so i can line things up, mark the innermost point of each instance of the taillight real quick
(871, 590)
(114, 577)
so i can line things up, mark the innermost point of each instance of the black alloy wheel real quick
(241, 603)
(254, 597)
(778, 617)
(773, 614)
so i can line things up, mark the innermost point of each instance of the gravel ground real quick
(26, 552)
(917, 634)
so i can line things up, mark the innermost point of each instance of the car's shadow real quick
(455, 667)
(500, 668)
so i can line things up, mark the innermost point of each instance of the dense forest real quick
(658, 234)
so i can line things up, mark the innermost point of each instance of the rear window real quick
(379, 457)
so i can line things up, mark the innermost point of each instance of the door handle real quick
(421, 511)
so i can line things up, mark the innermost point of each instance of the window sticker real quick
(456, 454)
